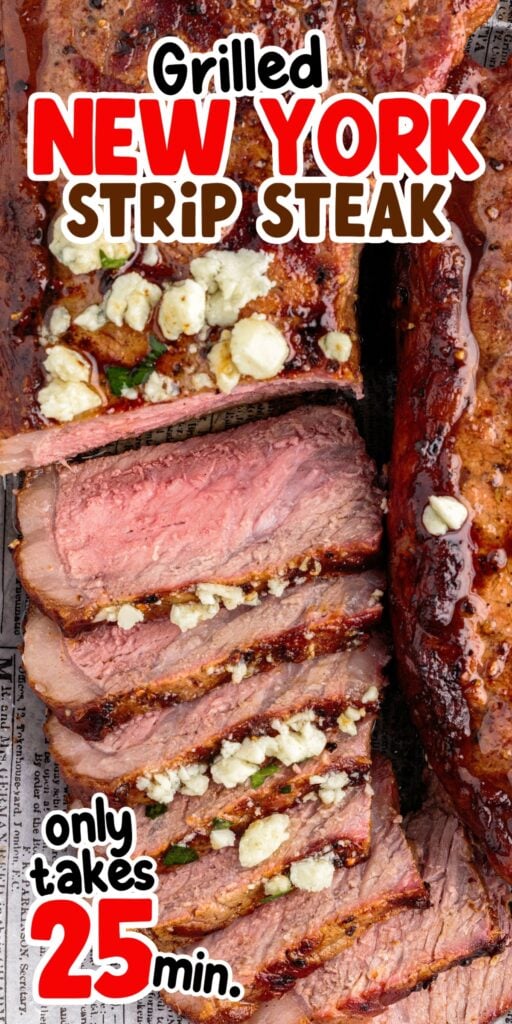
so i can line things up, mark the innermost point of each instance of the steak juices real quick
(206, 621)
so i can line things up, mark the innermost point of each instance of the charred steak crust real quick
(99, 679)
(290, 496)
(452, 594)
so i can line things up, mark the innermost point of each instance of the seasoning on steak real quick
(476, 994)
(207, 894)
(103, 676)
(290, 497)
(192, 817)
(288, 938)
(394, 957)
(192, 732)
(452, 592)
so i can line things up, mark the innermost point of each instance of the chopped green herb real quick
(120, 377)
(179, 855)
(259, 777)
(267, 899)
(155, 810)
(285, 789)
(111, 264)
(221, 823)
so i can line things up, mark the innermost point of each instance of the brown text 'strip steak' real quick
(192, 732)
(313, 288)
(103, 676)
(208, 893)
(287, 938)
(394, 957)
(283, 498)
(451, 580)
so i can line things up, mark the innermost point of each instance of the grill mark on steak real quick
(451, 596)
(209, 893)
(401, 954)
(277, 494)
(193, 731)
(289, 937)
(99, 679)
(65, 50)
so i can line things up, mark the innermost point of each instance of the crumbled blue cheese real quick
(211, 598)
(212, 593)
(262, 838)
(220, 838)
(258, 348)
(190, 779)
(84, 257)
(93, 318)
(279, 885)
(370, 695)
(57, 323)
(238, 671)
(222, 366)
(277, 586)
(182, 309)
(151, 255)
(68, 393)
(347, 720)
(313, 873)
(231, 280)
(443, 513)
(188, 615)
(125, 615)
(297, 739)
(336, 345)
(160, 388)
(331, 786)
(131, 300)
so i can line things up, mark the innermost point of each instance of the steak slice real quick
(192, 817)
(193, 731)
(476, 994)
(285, 497)
(207, 894)
(394, 957)
(289, 937)
(452, 592)
(101, 677)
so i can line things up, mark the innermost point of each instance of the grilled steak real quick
(289, 937)
(99, 678)
(396, 956)
(207, 894)
(290, 496)
(476, 994)
(192, 817)
(193, 731)
(313, 287)
(452, 591)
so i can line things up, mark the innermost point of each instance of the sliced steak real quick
(103, 676)
(192, 817)
(476, 994)
(207, 894)
(291, 496)
(105, 48)
(289, 937)
(193, 731)
(452, 590)
(394, 957)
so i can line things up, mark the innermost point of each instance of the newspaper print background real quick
(29, 781)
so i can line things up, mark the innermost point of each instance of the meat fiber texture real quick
(314, 287)
(235, 508)
(392, 958)
(452, 593)
(192, 817)
(475, 994)
(289, 937)
(193, 731)
(207, 894)
(101, 677)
